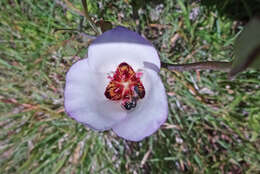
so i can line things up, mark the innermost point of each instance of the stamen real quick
(110, 75)
(139, 74)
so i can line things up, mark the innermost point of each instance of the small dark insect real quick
(133, 101)
(130, 104)
(136, 90)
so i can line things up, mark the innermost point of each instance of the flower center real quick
(125, 86)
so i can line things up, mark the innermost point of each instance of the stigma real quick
(125, 86)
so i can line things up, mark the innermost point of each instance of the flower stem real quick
(91, 22)
(211, 65)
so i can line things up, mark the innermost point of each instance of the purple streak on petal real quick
(151, 66)
(121, 45)
(121, 33)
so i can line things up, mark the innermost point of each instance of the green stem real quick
(91, 22)
(210, 65)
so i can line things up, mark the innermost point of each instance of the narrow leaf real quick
(247, 48)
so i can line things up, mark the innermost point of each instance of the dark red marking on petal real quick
(123, 72)
(114, 91)
(125, 84)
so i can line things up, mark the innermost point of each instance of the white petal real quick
(147, 117)
(121, 45)
(85, 100)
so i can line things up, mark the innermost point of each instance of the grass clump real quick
(213, 123)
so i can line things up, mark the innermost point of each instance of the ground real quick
(213, 124)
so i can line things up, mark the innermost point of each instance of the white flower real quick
(113, 89)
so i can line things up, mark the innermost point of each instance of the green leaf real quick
(104, 25)
(247, 48)
(5, 63)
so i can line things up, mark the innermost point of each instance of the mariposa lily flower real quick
(117, 86)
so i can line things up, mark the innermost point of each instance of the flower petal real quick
(121, 45)
(148, 117)
(85, 100)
